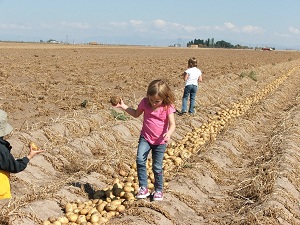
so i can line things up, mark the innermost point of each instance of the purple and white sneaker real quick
(142, 193)
(158, 196)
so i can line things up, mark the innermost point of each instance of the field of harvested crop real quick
(236, 161)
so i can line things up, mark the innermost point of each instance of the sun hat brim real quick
(7, 130)
(5, 127)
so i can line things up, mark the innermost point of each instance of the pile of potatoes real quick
(113, 201)
(107, 203)
(92, 212)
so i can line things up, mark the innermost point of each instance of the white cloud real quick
(139, 26)
(77, 25)
(251, 29)
(179, 27)
(229, 25)
(218, 28)
(162, 24)
(282, 35)
(244, 29)
(118, 24)
(64, 25)
(136, 22)
(47, 25)
(226, 26)
(294, 30)
(14, 26)
(159, 23)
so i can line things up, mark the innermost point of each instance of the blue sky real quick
(273, 23)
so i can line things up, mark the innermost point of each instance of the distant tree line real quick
(210, 43)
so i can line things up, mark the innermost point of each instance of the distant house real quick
(52, 41)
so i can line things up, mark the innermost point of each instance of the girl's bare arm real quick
(172, 126)
(133, 112)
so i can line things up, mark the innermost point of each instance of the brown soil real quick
(59, 97)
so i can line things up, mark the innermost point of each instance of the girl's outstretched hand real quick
(32, 152)
(118, 105)
(121, 105)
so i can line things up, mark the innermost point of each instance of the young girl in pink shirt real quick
(158, 126)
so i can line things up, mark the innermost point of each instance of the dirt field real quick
(236, 161)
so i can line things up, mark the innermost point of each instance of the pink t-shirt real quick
(156, 122)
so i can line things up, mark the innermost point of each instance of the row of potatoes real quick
(113, 200)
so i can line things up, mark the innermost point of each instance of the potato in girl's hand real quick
(33, 146)
(115, 100)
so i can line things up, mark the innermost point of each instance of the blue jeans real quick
(143, 151)
(189, 90)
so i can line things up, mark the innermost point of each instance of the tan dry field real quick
(237, 161)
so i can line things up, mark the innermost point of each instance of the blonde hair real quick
(192, 62)
(161, 88)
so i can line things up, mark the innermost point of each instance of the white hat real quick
(5, 127)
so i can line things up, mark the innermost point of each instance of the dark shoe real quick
(182, 113)
(177, 112)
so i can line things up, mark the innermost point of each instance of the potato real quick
(111, 207)
(127, 188)
(95, 218)
(121, 208)
(114, 100)
(56, 223)
(129, 196)
(33, 146)
(84, 211)
(110, 214)
(117, 202)
(63, 220)
(72, 217)
(69, 207)
(81, 219)
(102, 220)
(101, 207)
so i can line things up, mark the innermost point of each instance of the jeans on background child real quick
(189, 90)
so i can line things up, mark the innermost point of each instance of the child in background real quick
(8, 164)
(191, 77)
(158, 126)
